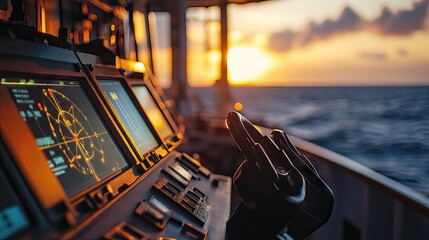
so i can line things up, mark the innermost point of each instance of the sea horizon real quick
(383, 128)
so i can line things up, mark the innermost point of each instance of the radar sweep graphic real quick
(73, 133)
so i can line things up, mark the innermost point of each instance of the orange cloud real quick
(402, 23)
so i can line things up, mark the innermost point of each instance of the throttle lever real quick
(319, 200)
(286, 144)
(248, 139)
(271, 188)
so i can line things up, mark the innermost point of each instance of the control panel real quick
(88, 152)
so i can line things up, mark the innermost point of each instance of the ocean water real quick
(383, 128)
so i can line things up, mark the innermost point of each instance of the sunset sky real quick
(316, 43)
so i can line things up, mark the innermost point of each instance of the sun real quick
(246, 64)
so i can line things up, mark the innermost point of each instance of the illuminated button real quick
(109, 188)
(176, 176)
(181, 171)
(194, 165)
(191, 201)
(155, 212)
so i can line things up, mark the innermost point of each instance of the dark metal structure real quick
(92, 148)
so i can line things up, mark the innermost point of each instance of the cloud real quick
(282, 41)
(375, 56)
(404, 22)
(401, 23)
(347, 22)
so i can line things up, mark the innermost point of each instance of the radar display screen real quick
(79, 149)
(12, 217)
(153, 111)
(129, 115)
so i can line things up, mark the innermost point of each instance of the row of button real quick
(192, 200)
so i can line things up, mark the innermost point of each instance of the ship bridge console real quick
(88, 152)
(89, 146)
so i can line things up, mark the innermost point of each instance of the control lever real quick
(271, 188)
(287, 146)
(319, 200)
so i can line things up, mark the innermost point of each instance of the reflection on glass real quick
(129, 115)
(153, 111)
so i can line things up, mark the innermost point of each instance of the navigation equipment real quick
(153, 111)
(79, 149)
(129, 115)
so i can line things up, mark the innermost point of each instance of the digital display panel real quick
(130, 116)
(79, 149)
(153, 111)
(12, 217)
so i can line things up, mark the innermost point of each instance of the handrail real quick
(396, 189)
(401, 192)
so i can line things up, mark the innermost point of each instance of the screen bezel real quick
(105, 118)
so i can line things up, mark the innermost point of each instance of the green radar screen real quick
(72, 131)
(79, 149)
